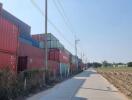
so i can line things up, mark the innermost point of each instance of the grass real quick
(119, 77)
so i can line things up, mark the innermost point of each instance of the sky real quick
(104, 27)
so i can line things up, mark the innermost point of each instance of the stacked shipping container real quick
(73, 64)
(8, 43)
(56, 52)
(62, 58)
(53, 42)
(23, 28)
(34, 57)
(16, 42)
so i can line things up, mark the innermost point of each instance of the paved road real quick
(86, 86)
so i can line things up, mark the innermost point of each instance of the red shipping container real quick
(64, 57)
(8, 36)
(53, 66)
(73, 68)
(59, 55)
(39, 37)
(7, 60)
(35, 56)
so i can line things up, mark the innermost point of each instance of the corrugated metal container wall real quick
(41, 37)
(23, 27)
(80, 64)
(59, 55)
(73, 68)
(64, 57)
(7, 60)
(53, 42)
(54, 68)
(8, 36)
(28, 39)
(64, 70)
(35, 55)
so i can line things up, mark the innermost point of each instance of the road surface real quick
(86, 86)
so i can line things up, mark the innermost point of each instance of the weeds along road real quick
(86, 86)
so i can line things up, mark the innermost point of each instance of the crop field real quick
(120, 78)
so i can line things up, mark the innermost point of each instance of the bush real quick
(129, 64)
(7, 84)
(13, 85)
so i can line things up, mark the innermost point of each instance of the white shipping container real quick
(41, 44)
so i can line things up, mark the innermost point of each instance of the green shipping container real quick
(64, 70)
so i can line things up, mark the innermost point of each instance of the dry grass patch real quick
(120, 77)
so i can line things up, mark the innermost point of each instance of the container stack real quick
(30, 55)
(18, 50)
(73, 64)
(57, 53)
(8, 43)
(53, 42)
(21, 51)
(23, 27)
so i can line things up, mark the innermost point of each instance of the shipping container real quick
(54, 69)
(53, 42)
(23, 27)
(33, 56)
(29, 40)
(8, 60)
(41, 37)
(73, 59)
(80, 65)
(41, 44)
(58, 55)
(8, 36)
(64, 70)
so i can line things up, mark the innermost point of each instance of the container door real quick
(22, 63)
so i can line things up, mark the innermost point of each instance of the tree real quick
(129, 64)
(106, 64)
(96, 64)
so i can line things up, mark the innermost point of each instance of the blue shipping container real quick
(29, 40)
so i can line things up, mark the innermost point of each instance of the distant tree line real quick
(107, 64)
(129, 64)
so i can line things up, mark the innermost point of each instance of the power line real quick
(65, 18)
(62, 15)
(50, 22)
(71, 27)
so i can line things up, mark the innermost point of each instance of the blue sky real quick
(104, 27)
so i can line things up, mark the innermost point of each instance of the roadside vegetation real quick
(18, 86)
(14, 85)
(120, 77)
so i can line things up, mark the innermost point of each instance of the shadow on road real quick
(80, 78)
(79, 98)
(86, 73)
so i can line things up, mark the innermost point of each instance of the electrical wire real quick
(51, 23)
(67, 18)
(62, 15)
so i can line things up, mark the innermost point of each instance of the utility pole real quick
(76, 42)
(46, 46)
